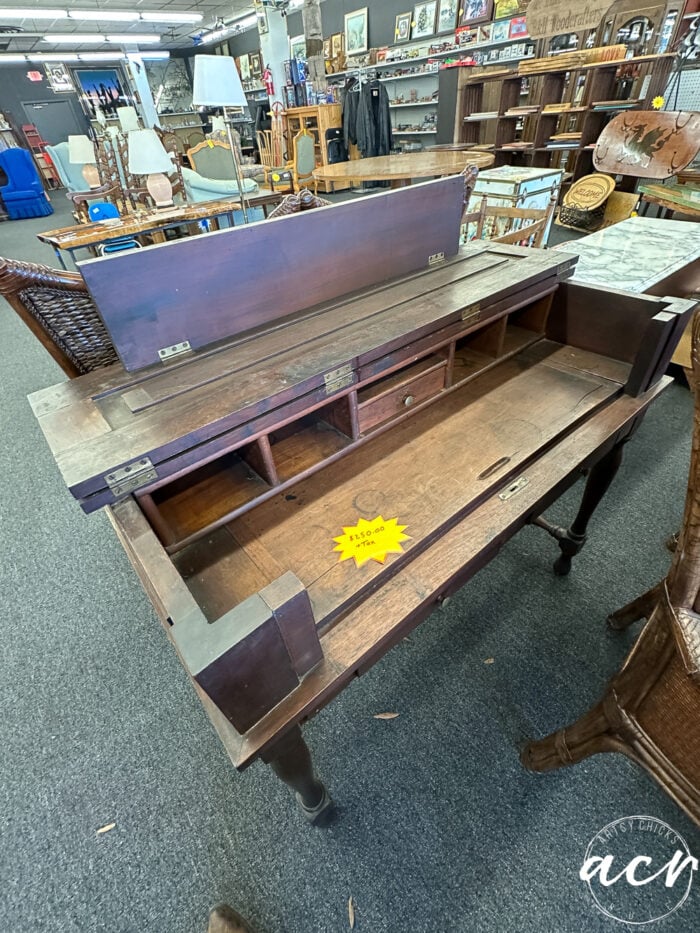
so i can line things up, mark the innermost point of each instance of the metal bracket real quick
(167, 353)
(436, 258)
(338, 379)
(514, 488)
(472, 314)
(130, 477)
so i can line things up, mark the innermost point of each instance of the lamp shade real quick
(218, 125)
(81, 151)
(146, 153)
(128, 119)
(217, 82)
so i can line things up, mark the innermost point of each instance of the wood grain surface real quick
(428, 164)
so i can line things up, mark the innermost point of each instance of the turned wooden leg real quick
(640, 608)
(572, 539)
(290, 759)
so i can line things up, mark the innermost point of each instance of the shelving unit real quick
(316, 120)
(581, 88)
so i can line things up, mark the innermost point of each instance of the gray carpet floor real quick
(438, 828)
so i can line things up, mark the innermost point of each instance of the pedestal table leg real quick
(290, 759)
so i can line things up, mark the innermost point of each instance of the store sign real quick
(556, 17)
(35, 76)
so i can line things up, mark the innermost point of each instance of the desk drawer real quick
(390, 397)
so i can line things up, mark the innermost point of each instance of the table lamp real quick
(82, 152)
(218, 84)
(148, 157)
(128, 119)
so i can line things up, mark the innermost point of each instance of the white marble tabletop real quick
(635, 254)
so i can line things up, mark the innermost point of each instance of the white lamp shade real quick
(146, 153)
(128, 118)
(217, 82)
(81, 151)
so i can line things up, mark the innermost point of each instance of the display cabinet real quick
(316, 120)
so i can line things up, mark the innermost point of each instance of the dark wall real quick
(381, 15)
(15, 88)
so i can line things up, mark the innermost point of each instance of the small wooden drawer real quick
(394, 395)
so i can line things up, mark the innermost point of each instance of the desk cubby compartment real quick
(200, 498)
(477, 351)
(301, 445)
(527, 325)
(392, 396)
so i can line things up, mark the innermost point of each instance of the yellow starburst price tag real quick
(373, 540)
(658, 103)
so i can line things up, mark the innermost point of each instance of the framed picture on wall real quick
(447, 15)
(297, 47)
(402, 30)
(102, 88)
(507, 8)
(245, 67)
(500, 31)
(424, 19)
(356, 32)
(59, 77)
(261, 15)
(518, 28)
(255, 64)
(476, 11)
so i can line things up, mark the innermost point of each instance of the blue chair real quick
(103, 210)
(23, 195)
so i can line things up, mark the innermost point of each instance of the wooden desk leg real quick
(571, 540)
(290, 759)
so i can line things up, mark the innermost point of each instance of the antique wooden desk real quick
(378, 374)
(152, 223)
(684, 199)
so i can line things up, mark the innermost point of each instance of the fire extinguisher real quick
(268, 82)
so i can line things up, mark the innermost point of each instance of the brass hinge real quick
(338, 379)
(130, 477)
(167, 353)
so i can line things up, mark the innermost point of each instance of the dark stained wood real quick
(226, 291)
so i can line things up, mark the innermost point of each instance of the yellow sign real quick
(371, 540)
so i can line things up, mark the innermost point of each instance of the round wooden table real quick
(400, 169)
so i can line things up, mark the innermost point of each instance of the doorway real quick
(55, 120)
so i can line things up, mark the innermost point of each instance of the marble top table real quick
(636, 255)
(644, 255)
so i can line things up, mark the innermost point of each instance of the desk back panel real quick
(208, 288)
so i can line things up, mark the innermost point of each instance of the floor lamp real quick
(218, 84)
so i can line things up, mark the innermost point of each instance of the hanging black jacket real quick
(350, 102)
(373, 127)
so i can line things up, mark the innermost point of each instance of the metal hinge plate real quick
(472, 314)
(167, 353)
(436, 258)
(130, 477)
(515, 487)
(338, 379)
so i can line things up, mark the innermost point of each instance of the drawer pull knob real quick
(408, 401)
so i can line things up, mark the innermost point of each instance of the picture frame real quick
(255, 64)
(261, 15)
(448, 11)
(402, 30)
(356, 38)
(245, 67)
(500, 31)
(424, 15)
(518, 28)
(103, 88)
(58, 77)
(337, 44)
(476, 11)
(297, 47)
(507, 8)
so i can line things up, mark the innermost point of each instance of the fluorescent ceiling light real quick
(127, 37)
(165, 17)
(103, 15)
(31, 13)
(153, 56)
(100, 56)
(12, 59)
(53, 57)
(71, 37)
(246, 23)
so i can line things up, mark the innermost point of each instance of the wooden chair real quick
(56, 306)
(267, 159)
(516, 225)
(651, 708)
(303, 162)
